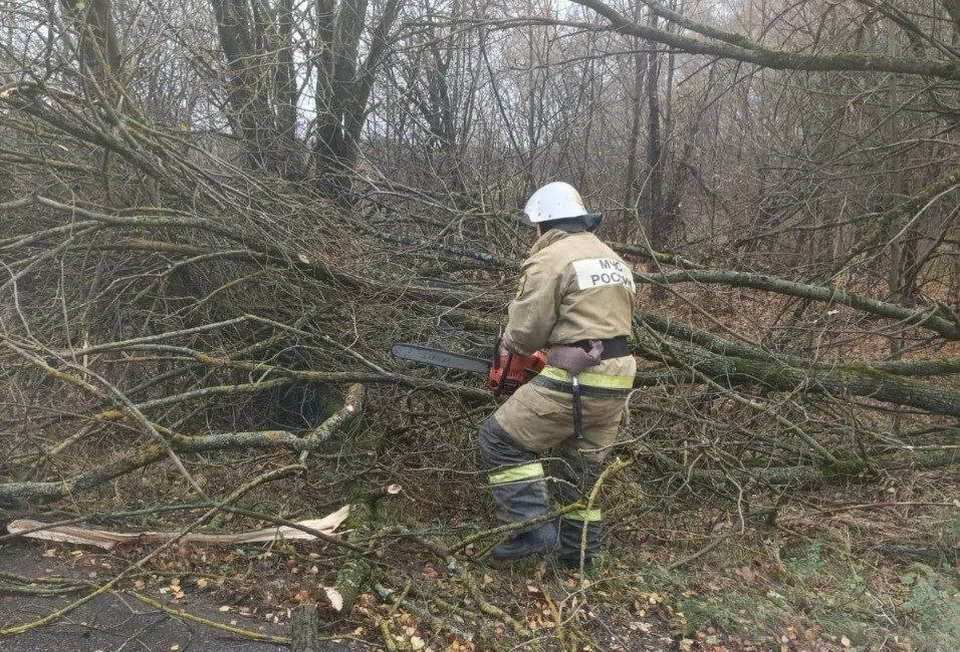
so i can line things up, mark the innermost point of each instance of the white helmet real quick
(555, 201)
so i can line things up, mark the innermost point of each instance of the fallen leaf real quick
(747, 574)
(429, 572)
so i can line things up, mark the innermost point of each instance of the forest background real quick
(216, 217)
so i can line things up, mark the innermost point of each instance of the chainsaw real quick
(505, 371)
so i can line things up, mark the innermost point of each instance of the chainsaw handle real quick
(497, 345)
(498, 365)
(503, 373)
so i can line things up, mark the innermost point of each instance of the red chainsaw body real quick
(510, 370)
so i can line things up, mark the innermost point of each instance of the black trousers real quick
(520, 493)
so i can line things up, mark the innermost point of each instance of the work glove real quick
(574, 359)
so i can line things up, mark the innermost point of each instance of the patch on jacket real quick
(597, 272)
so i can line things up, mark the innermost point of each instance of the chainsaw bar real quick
(440, 358)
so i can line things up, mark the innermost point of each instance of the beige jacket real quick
(573, 287)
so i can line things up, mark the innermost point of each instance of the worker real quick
(575, 299)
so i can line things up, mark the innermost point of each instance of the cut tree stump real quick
(305, 629)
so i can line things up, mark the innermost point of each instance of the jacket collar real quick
(549, 238)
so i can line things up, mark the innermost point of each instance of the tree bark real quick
(99, 51)
(779, 373)
(953, 8)
(305, 629)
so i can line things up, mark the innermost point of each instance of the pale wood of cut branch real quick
(107, 540)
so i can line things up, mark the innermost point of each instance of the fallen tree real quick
(164, 311)
(698, 352)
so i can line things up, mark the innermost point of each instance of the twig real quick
(707, 548)
(617, 466)
(127, 406)
(426, 614)
(353, 406)
(186, 615)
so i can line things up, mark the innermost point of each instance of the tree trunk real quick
(654, 192)
(779, 373)
(99, 51)
(305, 629)
(250, 111)
(631, 182)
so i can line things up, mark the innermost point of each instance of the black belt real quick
(615, 347)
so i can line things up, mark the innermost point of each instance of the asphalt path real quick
(113, 621)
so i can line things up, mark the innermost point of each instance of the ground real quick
(814, 583)
(115, 620)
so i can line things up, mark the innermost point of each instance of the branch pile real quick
(166, 312)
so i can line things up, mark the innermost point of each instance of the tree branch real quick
(737, 48)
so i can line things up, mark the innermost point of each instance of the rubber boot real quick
(570, 545)
(573, 563)
(577, 476)
(519, 493)
(540, 541)
(523, 500)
